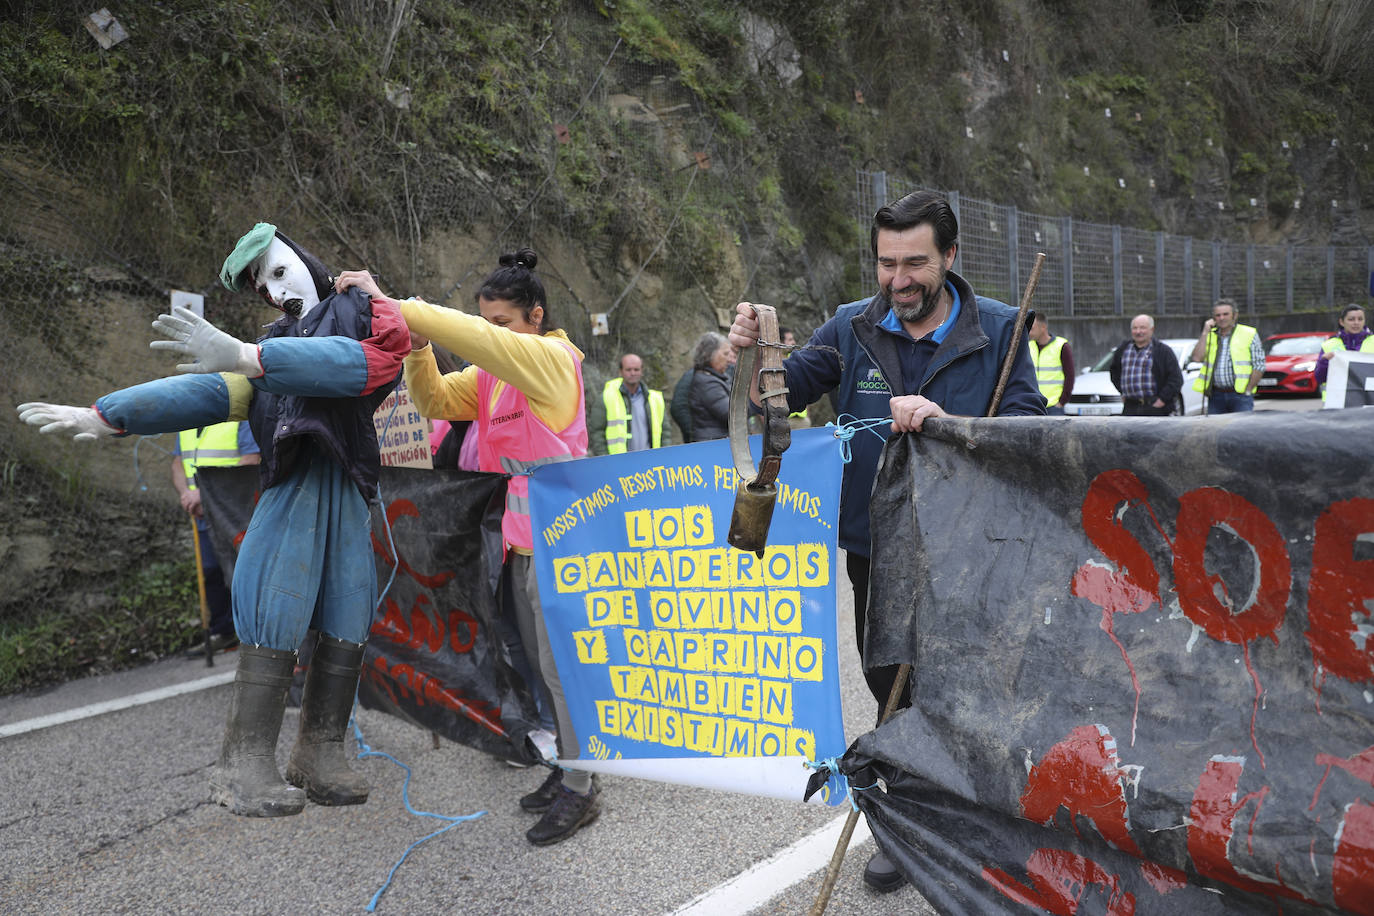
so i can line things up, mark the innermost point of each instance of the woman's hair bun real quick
(525, 258)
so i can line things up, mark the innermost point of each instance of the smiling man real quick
(925, 346)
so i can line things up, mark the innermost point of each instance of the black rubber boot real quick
(319, 762)
(246, 779)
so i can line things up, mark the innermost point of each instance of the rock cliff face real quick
(666, 160)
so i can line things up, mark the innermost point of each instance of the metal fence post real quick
(1187, 275)
(880, 190)
(1159, 273)
(1250, 279)
(958, 252)
(1118, 296)
(1330, 277)
(1068, 264)
(1216, 274)
(1013, 249)
(1288, 278)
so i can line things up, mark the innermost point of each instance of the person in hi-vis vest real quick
(1053, 361)
(218, 445)
(628, 416)
(1352, 335)
(1232, 358)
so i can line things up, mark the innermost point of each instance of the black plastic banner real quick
(1143, 671)
(435, 655)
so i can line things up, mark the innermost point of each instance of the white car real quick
(1094, 395)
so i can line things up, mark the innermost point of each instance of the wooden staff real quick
(832, 873)
(204, 605)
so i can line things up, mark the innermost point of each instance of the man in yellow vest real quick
(1232, 358)
(220, 445)
(1053, 360)
(628, 417)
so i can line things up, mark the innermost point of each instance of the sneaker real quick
(219, 642)
(542, 798)
(882, 875)
(570, 812)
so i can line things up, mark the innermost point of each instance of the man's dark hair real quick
(916, 208)
(515, 281)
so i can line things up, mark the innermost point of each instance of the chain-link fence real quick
(1093, 269)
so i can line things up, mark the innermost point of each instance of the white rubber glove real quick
(212, 349)
(82, 423)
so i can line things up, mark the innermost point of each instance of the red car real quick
(1289, 360)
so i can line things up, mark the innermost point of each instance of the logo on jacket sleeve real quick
(873, 383)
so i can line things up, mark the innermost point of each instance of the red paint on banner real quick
(398, 509)
(1352, 869)
(1060, 882)
(1134, 585)
(1203, 596)
(1361, 766)
(420, 688)
(1212, 826)
(238, 538)
(1162, 878)
(424, 630)
(1340, 602)
(1081, 773)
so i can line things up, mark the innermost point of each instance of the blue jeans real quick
(1229, 402)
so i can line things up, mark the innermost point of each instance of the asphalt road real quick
(110, 814)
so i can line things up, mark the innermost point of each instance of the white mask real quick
(281, 277)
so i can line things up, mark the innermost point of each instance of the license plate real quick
(1268, 381)
(1094, 411)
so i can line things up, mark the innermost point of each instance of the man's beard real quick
(923, 308)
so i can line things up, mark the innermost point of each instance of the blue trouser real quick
(306, 559)
(1229, 402)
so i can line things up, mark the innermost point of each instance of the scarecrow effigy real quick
(309, 389)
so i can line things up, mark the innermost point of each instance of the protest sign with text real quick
(682, 658)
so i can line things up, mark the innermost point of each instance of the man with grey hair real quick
(1232, 358)
(1146, 372)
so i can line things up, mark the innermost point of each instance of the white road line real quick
(95, 709)
(755, 886)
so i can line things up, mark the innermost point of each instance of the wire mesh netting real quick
(1094, 269)
(568, 141)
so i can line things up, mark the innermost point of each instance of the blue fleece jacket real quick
(870, 364)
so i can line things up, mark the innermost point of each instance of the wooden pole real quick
(832, 873)
(204, 605)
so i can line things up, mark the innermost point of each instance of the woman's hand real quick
(361, 279)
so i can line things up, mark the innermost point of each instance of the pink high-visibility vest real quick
(513, 441)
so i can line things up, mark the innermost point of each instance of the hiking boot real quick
(542, 798)
(219, 642)
(246, 779)
(882, 875)
(319, 761)
(569, 813)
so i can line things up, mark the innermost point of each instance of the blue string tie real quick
(365, 751)
(846, 429)
(832, 766)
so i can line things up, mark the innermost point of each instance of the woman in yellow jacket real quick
(525, 396)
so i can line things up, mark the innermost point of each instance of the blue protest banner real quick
(682, 658)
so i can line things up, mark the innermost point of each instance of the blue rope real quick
(365, 751)
(845, 430)
(386, 522)
(832, 766)
(138, 468)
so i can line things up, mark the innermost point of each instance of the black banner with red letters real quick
(1143, 664)
(434, 655)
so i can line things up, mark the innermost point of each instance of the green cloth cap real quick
(249, 249)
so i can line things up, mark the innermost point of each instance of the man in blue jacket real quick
(925, 346)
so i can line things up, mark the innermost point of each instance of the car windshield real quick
(1103, 364)
(1296, 346)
